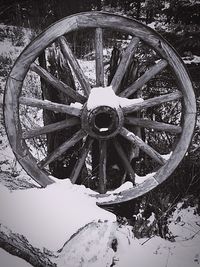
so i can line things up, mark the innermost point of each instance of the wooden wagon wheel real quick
(107, 119)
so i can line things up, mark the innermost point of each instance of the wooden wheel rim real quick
(97, 20)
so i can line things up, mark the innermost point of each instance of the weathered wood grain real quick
(48, 77)
(159, 126)
(99, 57)
(102, 166)
(124, 63)
(18, 245)
(106, 20)
(126, 195)
(127, 165)
(50, 128)
(179, 151)
(81, 160)
(142, 145)
(14, 133)
(46, 104)
(62, 149)
(11, 107)
(141, 81)
(151, 102)
(67, 52)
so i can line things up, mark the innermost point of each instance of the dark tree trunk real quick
(58, 67)
(138, 8)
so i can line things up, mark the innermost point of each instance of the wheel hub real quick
(104, 120)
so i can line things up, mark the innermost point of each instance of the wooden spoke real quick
(67, 52)
(126, 57)
(159, 126)
(48, 77)
(153, 102)
(51, 128)
(142, 145)
(45, 104)
(62, 149)
(148, 75)
(81, 160)
(99, 57)
(102, 166)
(125, 161)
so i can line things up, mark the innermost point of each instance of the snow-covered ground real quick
(8, 260)
(49, 217)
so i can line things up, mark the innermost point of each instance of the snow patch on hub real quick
(105, 96)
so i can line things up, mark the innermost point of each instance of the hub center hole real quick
(103, 121)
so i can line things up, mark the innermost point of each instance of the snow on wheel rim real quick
(98, 20)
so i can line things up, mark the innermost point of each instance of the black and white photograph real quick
(99, 133)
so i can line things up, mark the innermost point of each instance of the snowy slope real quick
(49, 217)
